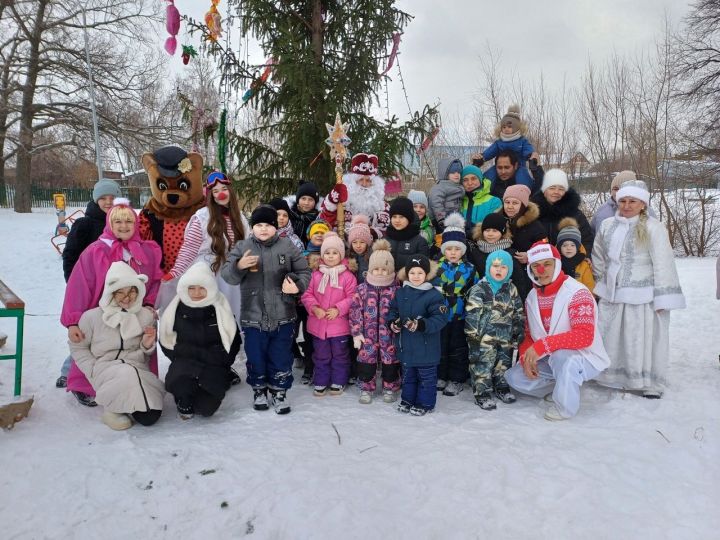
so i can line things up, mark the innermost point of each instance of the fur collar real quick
(402, 274)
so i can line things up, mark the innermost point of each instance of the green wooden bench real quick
(12, 306)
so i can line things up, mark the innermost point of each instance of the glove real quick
(358, 341)
(478, 161)
(382, 218)
(420, 325)
(167, 277)
(533, 163)
(338, 194)
(395, 326)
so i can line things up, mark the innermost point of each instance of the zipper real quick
(142, 388)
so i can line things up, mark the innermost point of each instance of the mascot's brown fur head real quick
(175, 181)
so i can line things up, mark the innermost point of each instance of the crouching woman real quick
(115, 353)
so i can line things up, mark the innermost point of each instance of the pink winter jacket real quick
(339, 298)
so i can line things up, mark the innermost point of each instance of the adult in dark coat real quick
(558, 201)
(87, 229)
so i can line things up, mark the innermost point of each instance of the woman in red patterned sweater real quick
(562, 347)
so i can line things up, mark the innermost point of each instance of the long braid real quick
(641, 231)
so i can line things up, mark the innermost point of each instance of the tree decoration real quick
(188, 52)
(393, 53)
(338, 142)
(213, 21)
(172, 25)
(428, 140)
(257, 83)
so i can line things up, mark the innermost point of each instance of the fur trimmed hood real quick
(402, 274)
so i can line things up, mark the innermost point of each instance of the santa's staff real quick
(338, 142)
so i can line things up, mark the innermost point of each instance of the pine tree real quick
(328, 55)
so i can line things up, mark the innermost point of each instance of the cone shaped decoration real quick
(338, 142)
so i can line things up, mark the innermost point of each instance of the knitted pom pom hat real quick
(331, 240)
(454, 233)
(382, 259)
(360, 229)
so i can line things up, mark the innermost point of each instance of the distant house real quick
(576, 166)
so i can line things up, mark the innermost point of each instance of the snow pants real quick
(453, 352)
(188, 392)
(368, 357)
(332, 360)
(489, 359)
(419, 386)
(564, 372)
(269, 356)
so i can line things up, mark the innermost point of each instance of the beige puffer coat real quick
(117, 369)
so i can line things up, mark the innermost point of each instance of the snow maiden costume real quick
(638, 285)
(561, 326)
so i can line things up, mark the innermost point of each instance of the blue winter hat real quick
(472, 169)
(454, 167)
(104, 187)
(506, 260)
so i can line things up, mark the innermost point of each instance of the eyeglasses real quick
(215, 177)
(120, 295)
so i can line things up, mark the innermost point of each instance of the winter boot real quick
(116, 421)
(419, 411)
(279, 401)
(441, 384)
(404, 406)
(453, 388)
(336, 389)
(260, 399)
(61, 382)
(234, 377)
(84, 399)
(185, 410)
(553, 414)
(485, 401)
(505, 395)
(651, 394)
(319, 391)
(365, 397)
(389, 396)
(305, 379)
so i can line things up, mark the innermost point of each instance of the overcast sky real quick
(441, 47)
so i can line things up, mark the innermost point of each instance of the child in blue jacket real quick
(418, 314)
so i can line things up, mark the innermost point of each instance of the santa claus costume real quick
(362, 192)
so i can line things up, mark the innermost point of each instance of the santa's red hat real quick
(540, 251)
(364, 164)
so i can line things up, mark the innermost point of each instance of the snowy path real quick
(626, 467)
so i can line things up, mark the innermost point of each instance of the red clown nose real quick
(221, 196)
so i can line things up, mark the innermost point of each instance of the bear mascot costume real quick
(177, 193)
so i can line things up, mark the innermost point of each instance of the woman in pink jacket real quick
(327, 301)
(120, 241)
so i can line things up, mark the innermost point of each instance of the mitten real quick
(478, 161)
(358, 341)
(338, 194)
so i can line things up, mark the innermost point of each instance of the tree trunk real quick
(23, 198)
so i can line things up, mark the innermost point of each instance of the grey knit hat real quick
(418, 197)
(105, 187)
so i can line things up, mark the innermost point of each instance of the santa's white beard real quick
(364, 200)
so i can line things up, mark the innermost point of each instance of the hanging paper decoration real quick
(172, 25)
(188, 52)
(213, 21)
(393, 53)
(428, 140)
(257, 83)
(222, 142)
(393, 185)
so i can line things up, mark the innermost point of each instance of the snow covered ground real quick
(625, 467)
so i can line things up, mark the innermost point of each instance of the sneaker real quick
(319, 391)
(453, 388)
(116, 421)
(389, 396)
(260, 399)
(234, 377)
(419, 411)
(61, 382)
(185, 411)
(305, 379)
(441, 384)
(404, 406)
(279, 401)
(336, 389)
(352, 381)
(365, 397)
(84, 399)
(505, 395)
(485, 401)
(553, 414)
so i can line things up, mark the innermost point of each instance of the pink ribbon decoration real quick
(393, 52)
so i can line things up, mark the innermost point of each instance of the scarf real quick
(509, 138)
(132, 246)
(113, 316)
(330, 274)
(411, 231)
(569, 264)
(487, 247)
(426, 286)
(622, 227)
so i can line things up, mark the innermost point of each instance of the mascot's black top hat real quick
(168, 158)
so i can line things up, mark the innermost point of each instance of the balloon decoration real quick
(172, 25)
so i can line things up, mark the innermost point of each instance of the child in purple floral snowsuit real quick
(369, 326)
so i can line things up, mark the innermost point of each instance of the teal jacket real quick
(477, 205)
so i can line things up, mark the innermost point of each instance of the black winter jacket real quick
(83, 232)
(301, 221)
(406, 242)
(199, 352)
(568, 206)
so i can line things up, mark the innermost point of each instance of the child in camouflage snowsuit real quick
(494, 326)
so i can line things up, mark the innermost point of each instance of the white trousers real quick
(565, 370)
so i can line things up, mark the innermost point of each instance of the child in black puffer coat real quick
(199, 335)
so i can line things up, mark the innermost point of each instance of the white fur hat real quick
(636, 189)
(119, 276)
(555, 177)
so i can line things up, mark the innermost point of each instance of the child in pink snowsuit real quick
(120, 241)
(369, 326)
(327, 301)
